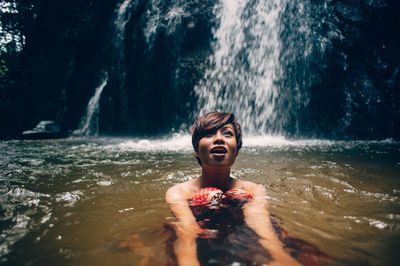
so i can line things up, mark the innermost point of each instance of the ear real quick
(196, 153)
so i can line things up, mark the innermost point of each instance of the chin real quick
(223, 163)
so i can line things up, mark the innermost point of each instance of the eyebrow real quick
(227, 127)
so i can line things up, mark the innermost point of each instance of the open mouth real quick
(219, 151)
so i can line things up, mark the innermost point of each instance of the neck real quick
(216, 177)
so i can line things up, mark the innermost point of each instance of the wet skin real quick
(219, 148)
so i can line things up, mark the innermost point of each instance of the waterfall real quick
(122, 15)
(169, 17)
(298, 69)
(244, 66)
(89, 124)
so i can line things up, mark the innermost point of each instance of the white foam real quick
(182, 142)
(105, 183)
(69, 197)
(265, 141)
(378, 224)
(178, 142)
(23, 193)
(45, 218)
(280, 141)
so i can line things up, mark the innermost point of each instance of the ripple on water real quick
(69, 198)
(320, 189)
(105, 183)
(126, 210)
(13, 233)
(344, 183)
(17, 221)
(376, 223)
(379, 196)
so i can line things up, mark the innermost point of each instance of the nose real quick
(218, 138)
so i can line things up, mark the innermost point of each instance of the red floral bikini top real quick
(212, 194)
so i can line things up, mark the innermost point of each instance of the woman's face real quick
(219, 148)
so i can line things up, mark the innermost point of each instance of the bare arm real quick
(257, 217)
(186, 228)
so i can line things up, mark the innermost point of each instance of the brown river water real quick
(100, 201)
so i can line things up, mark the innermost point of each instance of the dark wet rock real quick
(46, 129)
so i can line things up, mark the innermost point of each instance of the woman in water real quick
(217, 139)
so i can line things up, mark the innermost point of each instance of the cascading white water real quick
(122, 15)
(245, 63)
(122, 18)
(169, 18)
(89, 124)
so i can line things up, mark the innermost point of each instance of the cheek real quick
(202, 147)
(233, 146)
(202, 151)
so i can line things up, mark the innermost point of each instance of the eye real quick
(228, 133)
(208, 135)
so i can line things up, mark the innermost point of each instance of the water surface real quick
(88, 201)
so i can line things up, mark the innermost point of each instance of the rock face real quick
(46, 129)
(300, 69)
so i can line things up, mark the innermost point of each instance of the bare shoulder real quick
(253, 188)
(179, 192)
(173, 193)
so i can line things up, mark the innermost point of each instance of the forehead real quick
(227, 126)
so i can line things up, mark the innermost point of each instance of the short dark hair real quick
(210, 123)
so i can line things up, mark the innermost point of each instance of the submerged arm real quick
(186, 228)
(257, 217)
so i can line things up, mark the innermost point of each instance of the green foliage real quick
(3, 69)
